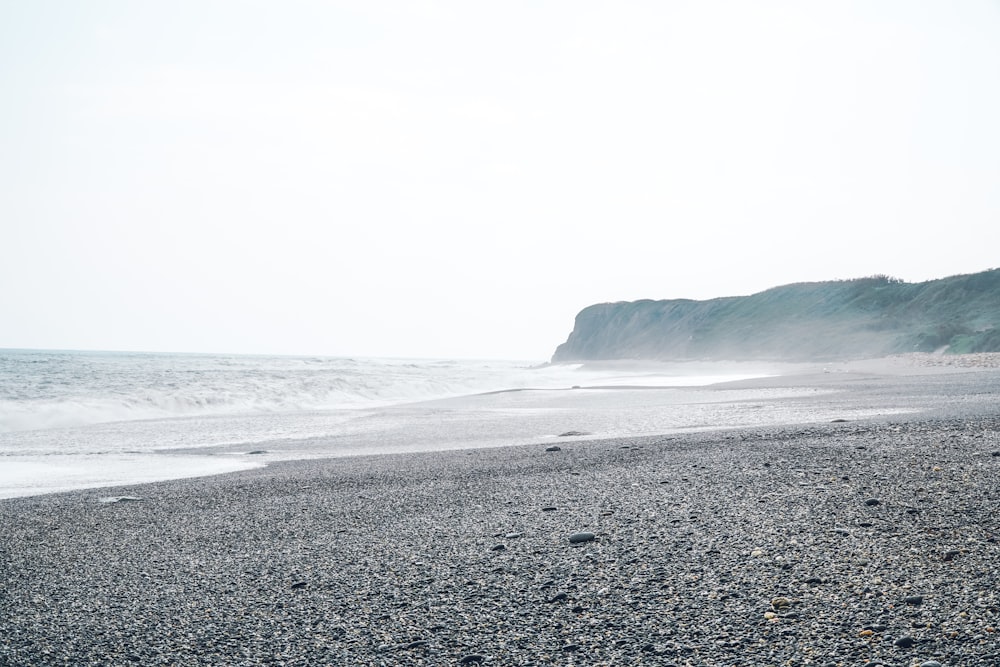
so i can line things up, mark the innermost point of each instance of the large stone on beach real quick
(579, 538)
(109, 500)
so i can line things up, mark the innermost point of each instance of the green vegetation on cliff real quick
(871, 316)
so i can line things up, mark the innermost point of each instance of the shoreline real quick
(27, 474)
(631, 410)
(800, 544)
(130, 435)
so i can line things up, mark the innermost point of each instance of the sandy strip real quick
(846, 543)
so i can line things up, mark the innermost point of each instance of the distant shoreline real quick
(616, 401)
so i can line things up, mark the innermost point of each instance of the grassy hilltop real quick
(839, 319)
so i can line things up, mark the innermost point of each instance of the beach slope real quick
(846, 543)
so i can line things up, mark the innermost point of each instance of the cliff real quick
(826, 320)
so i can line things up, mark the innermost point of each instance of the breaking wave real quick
(43, 390)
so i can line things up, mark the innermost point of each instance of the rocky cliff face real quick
(829, 320)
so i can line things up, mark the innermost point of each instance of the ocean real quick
(72, 420)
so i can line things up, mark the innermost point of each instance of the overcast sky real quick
(459, 179)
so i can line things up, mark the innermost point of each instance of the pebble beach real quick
(843, 543)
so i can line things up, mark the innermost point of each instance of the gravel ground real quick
(848, 543)
(975, 360)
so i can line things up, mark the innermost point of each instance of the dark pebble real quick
(904, 642)
(553, 448)
(549, 509)
(298, 585)
(578, 609)
(950, 555)
(558, 597)
(872, 502)
(120, 499)
(914, 599)
(569, 648)
(577, 538)
(416, 644)
(471, 658)
(568, 434)
(498, 547)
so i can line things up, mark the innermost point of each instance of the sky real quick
(459, 179)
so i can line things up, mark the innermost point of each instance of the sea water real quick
(71, 420)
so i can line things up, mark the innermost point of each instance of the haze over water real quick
(88, 419)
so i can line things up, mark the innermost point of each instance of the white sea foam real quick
(65, 473)
(78, 420)
(42, 390)
(57, 390)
